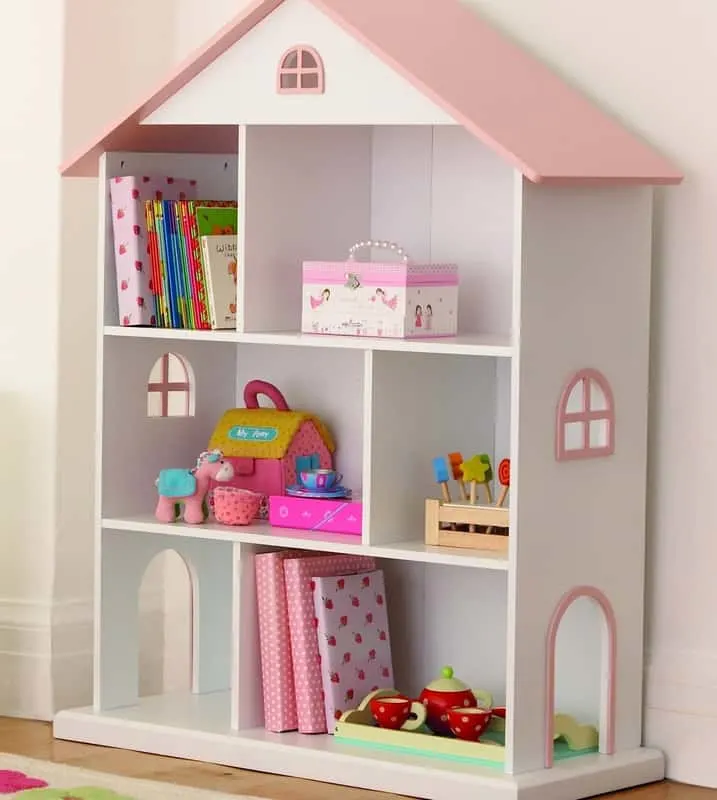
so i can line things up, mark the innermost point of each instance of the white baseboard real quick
(681, 713)
(46, 654)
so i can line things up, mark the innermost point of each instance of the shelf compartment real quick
(494, 346)
(198, 728)
(264, 534)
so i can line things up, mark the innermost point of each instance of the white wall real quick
(649, 63)
(30, 63)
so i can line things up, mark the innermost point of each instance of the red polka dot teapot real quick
(448, 692)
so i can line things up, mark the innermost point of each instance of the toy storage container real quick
(393, 299)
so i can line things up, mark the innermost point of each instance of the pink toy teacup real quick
(234, 506)
(469, 723)
(320, 480)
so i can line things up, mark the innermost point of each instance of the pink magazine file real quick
(353, 639)
(299, 574)
(277, 669)
(135, 288)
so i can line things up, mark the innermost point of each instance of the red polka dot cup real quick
(469, 723)
(398, 712)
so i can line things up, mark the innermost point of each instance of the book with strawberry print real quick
(136, 287)
(353, 639)
(300, 576)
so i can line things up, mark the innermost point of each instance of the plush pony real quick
(189, 488)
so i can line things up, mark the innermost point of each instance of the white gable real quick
(240, 86)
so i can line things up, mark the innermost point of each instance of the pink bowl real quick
(234, 506)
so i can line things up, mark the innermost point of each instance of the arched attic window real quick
(301, 71)
(170, 389)
(586, 417)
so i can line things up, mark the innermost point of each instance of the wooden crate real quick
(483, 517)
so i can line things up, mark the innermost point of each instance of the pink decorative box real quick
(277, 668)
(396, 299)
(354, 640)
(331, 516)
(135, 292)
(299, 574)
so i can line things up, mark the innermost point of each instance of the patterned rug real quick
(29, 779)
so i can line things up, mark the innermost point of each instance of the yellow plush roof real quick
(262, 432)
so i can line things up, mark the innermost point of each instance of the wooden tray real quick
(358, 726)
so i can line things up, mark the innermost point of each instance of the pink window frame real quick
(607, 730)
(300, 71)
(164, 386)
(585, 416)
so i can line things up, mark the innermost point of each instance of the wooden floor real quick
(34, 739)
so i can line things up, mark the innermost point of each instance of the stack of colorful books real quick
(175, 255)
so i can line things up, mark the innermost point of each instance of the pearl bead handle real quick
(369, 243)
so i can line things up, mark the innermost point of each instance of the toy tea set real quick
(262, 463)
(450, 720)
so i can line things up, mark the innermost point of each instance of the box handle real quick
(392, 246)
(254, 388)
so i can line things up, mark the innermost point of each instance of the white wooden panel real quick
(240, 86)
(472, 225)
(446, 616)
(136, 447)
(216, 178)
(583, 295)
(307, 197)
(424, 406)
(126, 556)
(328, 383)
(401, 180)
(247, 703)
(447, 198)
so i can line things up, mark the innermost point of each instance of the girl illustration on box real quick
(429, 317)
(316, 302)
(419, 317)
(381, 295)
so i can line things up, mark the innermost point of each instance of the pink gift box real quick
(331, 516)
(299, 574)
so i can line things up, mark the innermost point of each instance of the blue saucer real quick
(337, 493)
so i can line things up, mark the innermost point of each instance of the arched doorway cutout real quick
(176, 576)
(609, 655)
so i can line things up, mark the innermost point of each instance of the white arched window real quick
(170, 390)
(586, 417)
(301, 71)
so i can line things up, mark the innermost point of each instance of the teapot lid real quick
(447, 683)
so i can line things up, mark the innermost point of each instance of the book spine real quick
(153, 252)
(200, 276)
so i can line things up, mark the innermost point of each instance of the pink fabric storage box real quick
(397, 299)
(135, 293)
(277, 668)
(299, 574)
(331, 516)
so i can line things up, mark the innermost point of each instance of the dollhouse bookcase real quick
(332, 122)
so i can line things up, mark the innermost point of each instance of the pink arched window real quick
(586, 418)
(301, 71)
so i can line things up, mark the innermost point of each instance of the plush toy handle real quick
(254, 388)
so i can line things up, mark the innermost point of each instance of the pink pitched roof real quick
(504, 96)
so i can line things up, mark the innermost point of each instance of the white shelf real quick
(265, 534)
(197, 727)
(467, 344)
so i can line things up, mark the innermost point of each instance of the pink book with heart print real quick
(353, 639)
(300, 577)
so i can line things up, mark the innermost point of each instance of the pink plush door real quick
(263, 475)
(607, 732)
